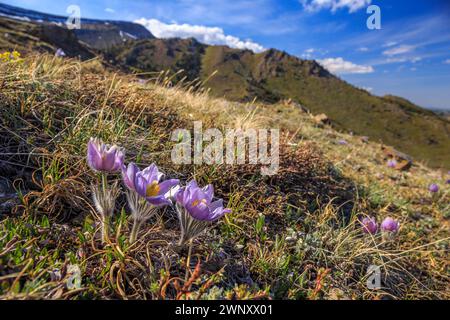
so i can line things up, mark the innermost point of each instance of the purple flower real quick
(129, 175)
(448, 181)
(60, 53)
(343, 142)
(392, 163)
(103, 157)
(390, 225)
(147, 184)
(198, 202)
(369, 225)
(433, 188)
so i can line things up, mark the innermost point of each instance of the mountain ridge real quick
(98, 34)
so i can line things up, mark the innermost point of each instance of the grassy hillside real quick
(271, 76)
(160, 55)
(295, 235)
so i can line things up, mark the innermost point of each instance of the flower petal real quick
(158, 201)
(140, 184)
(93, 155)
(209, 192)
(119, 160)
(151, 173)
(165, 186)
(129, 175)
(109, 159)
(216, 204)
(198, 212)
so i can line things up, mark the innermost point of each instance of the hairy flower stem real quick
(105, 229)
(135, 230)
(105, 219)
(188, 261)
(141, 211)
(104, 182)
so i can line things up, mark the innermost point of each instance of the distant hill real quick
(29, 37)
(240, 75)
(98, 34)
(443, 113)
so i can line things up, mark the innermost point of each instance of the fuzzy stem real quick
(105, 229)
(104, 182)
(134, 231)
(105, 218)
(188, 261)
(182, 239)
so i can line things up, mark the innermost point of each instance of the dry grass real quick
(295, 235)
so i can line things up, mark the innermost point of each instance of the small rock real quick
(8, 206)
(322, 119)
(379, 176)
(402, 161)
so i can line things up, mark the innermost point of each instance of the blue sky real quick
(409, 56)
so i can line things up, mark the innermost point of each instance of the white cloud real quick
(308, 53)
(363, 49)
(447, 61)
(334, 5)
(110, 10)
(390, 44)
(401, 60)
(340, 66)
(399, 50)
(208, 35)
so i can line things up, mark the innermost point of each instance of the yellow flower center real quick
(152, 189)
(196, 202)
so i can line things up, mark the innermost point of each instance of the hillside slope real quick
(271, 76)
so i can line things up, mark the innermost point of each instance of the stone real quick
(322, 119)
(404, 161)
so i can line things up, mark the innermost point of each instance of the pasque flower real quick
(196, 209)
(369, 225)
(433, 188)
(60, 53)
(199, 202)
(390, 225)
(103, 157)
(146, 193)
(147, 184)
(392, 163)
